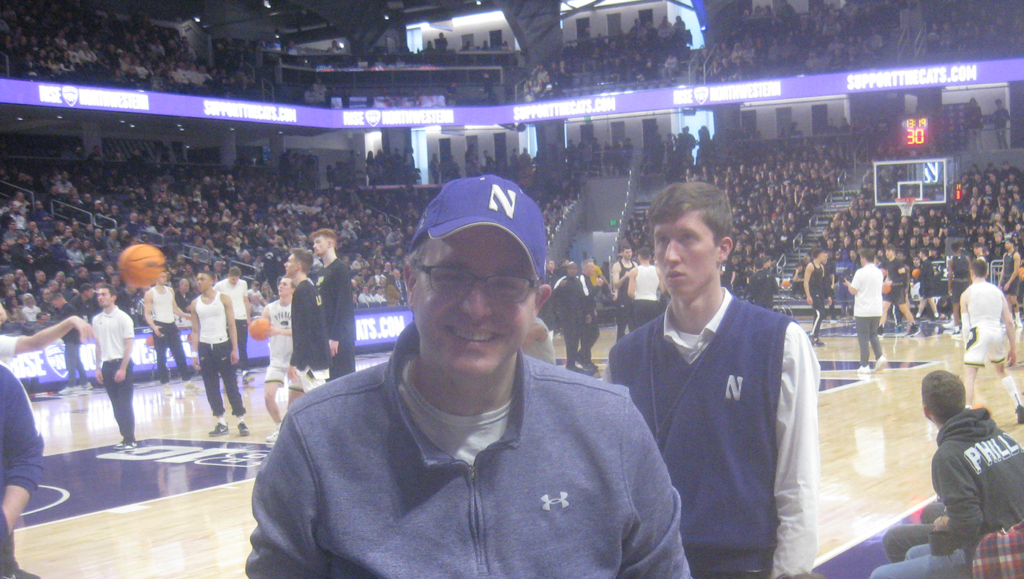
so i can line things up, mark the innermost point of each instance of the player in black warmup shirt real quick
(335, 287)
(959, 268)
(816, 289)
(899, 275)
(311, 356)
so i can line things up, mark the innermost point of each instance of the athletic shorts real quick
(897, 295)
(279, 374)
(984, 343)
(957, 289)
(313, 378)
(1014, 287)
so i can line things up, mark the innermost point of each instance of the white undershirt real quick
(462, 437)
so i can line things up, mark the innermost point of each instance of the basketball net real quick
(906, 205)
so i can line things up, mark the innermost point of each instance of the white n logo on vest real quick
(507, 200)
(733, 388)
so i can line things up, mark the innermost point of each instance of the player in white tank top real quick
(215, 340)
(647, 282)
(161, 312)
(987, 313)
(280, 315)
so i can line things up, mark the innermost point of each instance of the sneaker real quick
(219, 430)
(23, 574)
(247, 377)
(190, 385)
(880, 363)
(956, 332)
(817, 343)
(69, 390)
(1020, 414)
(125, 445)
(864, 370)
(273, 437)
(243, 430)
(914, 330)
(131, 445)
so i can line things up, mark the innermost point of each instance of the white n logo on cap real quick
(507, 199)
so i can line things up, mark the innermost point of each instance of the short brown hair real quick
(304, 257)
(979, 267)
(235, 270)
(678, 198)
(943, 395)
(326, 234)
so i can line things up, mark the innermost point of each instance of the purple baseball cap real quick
(486, 200)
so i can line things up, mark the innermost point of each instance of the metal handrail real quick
(157, 238)
(29, 192)
(264, 83)
(197, 253)
(72, 210)
(99, 220)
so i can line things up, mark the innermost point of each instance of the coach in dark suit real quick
(575, 305)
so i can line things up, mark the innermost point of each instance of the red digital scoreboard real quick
(915, 132)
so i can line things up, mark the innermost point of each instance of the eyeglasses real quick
(457, 283)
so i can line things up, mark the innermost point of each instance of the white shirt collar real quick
(691, 345)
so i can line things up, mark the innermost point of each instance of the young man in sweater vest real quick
(730, 391)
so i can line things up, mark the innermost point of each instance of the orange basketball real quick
(886, 286)
(141, 265)
(259, 329)
(149, 341)
(915, 274)
(786, 283)
(1020, 273)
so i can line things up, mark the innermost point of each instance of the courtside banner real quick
(376, 329)
(54, 94)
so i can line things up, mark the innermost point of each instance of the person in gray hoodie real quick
(461, 457)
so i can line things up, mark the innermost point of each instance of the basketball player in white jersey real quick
(987, 313)
(644, 283)
(215, 343)
(237, 289)
(279, 313)
(160, 308)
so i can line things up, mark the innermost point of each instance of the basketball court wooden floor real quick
(180, 504)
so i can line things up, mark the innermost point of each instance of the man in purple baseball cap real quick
(461, 456)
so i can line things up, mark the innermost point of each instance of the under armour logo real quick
(733, 387)
(548, 501)
(507, 200)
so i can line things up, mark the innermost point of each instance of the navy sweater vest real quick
(714, 421)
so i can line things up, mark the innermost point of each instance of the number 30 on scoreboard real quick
(915, 132)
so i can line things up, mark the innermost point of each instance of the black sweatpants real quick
(818, 303)
(242, 329)
(215, 365)
(121, 394)
(171, 338)
(645, 311)
(623, 317)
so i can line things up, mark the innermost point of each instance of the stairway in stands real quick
(792, 301)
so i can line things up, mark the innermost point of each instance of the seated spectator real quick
(980, 493)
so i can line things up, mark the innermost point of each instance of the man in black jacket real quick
(977, 472)
(577, 312)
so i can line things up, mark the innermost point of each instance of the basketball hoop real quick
(906, 205)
